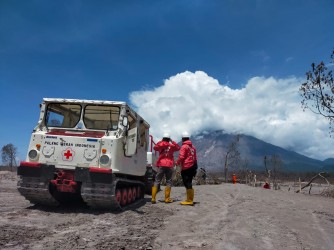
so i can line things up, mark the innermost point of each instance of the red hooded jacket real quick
(166, 153)
(187, 156)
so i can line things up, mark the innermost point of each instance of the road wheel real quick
(129, 195)
(134, 193)
(118, 196)
(124, 197)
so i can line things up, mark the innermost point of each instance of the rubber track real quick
(36, 191)
(96, 195)
(102, 196)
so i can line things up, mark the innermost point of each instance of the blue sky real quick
(144, 51)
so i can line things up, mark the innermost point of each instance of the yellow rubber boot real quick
(190, 198)
(154, 194)
(192, 195)
(167, 195)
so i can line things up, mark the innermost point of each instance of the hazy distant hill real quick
(211, 148)
(328, 165)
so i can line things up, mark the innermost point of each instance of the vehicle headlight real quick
(33, 154)
(104, 160)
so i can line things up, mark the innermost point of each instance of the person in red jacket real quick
(188, 161)
(266, 185)
(165, 163)
(234, 179)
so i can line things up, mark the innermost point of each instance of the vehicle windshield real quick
(67, 115)
(62, 115)
(101, 117)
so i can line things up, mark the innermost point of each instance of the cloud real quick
(289, 59)
(260, 54)
(329, 65)
(266, 108)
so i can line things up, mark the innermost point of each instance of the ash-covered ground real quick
(224, 216)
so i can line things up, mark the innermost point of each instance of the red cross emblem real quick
(68, 154)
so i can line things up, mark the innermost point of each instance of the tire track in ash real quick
(196, 223)
(327, 239)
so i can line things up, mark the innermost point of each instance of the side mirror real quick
(125, 121)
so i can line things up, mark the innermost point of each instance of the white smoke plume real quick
(266, 108)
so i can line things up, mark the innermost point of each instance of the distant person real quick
(266, 185)
(188, 161)
(165, 163)
(234, 179)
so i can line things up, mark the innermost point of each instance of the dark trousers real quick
(168, 173)
(187, 177)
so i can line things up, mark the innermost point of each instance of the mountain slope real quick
(211, 149)
(328, 165)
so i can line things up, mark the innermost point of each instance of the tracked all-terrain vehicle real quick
(97, 151)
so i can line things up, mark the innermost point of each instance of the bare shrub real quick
(328, 192)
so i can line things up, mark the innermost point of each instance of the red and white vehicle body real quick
(88, 148)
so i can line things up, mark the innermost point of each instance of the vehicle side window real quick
(132, 122)
(143, 132)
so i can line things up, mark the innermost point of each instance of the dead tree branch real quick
(321, 175)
